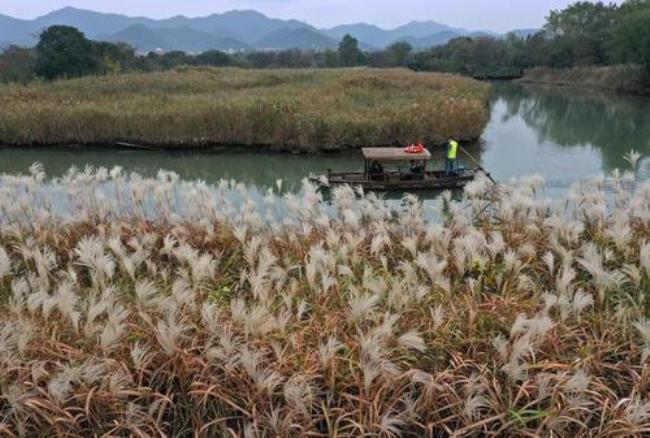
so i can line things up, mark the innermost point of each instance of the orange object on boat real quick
(413, 149)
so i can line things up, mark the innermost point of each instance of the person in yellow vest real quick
(452, 154)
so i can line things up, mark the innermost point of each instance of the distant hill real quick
(368, 33)
(438, 39)
(232, 31)
(301, 38)
(377, 37)
(185, 39)
(14, 31)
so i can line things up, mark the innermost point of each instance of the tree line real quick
(583, 34)
(65, 52)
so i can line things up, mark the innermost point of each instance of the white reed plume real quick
(576, 387)
(60, 386)
(210, 316)
(602, 279)
(378, 243)
(147, 296)
(37, 171)
(5, 264)
(637, 411)
(437, 316)
(328, 351)
(90, 253)
(581, 300)
(500, 344)
(411, 245)
(66, 300)
(361, 305)
(433, 266)
(620, 232)
(298, 393)
(633, 274)
(392, 425)
(115, 326)
(14, 338)
(412, 340)
(536, 327)
(644, 257)
(549, 260)
(525, 334)
(564, 280)
(473, 406)
(632, 157)
(516, 367)
(511, 261)
(140, 355)
(386, 329)
(170, 331)
(265, 380)
(96, 306)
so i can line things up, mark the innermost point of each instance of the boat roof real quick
(393, 154)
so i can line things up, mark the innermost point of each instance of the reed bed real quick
(300, 110)
(156, 307)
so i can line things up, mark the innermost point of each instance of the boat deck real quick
(396, 180)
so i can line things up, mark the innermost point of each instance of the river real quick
(562, 134)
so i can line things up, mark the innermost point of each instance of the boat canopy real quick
(393, 154)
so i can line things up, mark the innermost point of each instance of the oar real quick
(478, 165)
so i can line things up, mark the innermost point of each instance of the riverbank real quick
(296, 110)
(618, 79)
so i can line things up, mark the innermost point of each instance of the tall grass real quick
(159, 307)
(284, 109)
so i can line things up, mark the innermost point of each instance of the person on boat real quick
(452, 154)
(417, 169)
(375, 170)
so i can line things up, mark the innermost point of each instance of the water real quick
(562, 134)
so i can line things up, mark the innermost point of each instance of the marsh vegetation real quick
(159, 307)
(284, 109)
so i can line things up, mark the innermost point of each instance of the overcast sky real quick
(497, 15)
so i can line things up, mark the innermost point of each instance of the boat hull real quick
(394, 181)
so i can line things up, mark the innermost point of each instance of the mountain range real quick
(230, 31)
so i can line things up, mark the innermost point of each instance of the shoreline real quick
(214, 148)
(624, 80)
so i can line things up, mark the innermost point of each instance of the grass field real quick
(284, 109)
(527, 318)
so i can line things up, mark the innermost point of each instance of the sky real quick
(495, 15)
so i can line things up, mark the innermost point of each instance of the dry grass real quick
(284, 109)
(164, 308)
(623, 79)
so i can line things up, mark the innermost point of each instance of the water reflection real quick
(573, 117)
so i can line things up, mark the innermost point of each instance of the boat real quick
(398, 177)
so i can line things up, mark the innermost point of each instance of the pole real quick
(478, 165)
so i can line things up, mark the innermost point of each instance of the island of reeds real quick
(158, 307)
(298, 110)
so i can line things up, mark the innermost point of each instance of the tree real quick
(64, 51)
(349, 53)
(631, 35)
(215, 58)
(398, 53)
(16, 65)
(582, 31)
(331, 59)
(113, 58)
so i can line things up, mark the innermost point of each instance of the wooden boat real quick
(397, 178)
